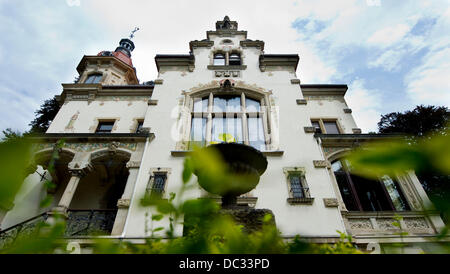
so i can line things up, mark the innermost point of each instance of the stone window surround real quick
(135, 124)
(227, 54)
(243, 113)
(159, 170)
(321, 121)
(302, 172)
(404, 182)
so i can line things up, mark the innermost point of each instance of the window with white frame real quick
(218, 118)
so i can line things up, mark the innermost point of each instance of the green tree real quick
(44, 116)
(422, 122)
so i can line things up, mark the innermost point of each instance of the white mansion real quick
(123, 138)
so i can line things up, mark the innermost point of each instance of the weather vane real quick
(133, 32)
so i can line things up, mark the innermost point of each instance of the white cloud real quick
(389, 35)
(365, 104)
(429, 83)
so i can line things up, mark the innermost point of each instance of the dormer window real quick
(235, 59)
(94, 78)
(219, 59)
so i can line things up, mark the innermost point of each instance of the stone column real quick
(70, 190)
(123, 203)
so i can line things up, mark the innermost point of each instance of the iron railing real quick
(90, 222)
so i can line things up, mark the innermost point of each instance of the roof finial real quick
(133, 32)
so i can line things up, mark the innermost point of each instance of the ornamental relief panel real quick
(416, 223)
(360, 224)
(88, 147)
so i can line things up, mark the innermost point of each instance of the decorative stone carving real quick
(347, 110)
(309, 129)
(123, 203)
(159, 81)
(320, 164)
(360, 224)
(87, 147)
(416, 223)
(133, 164)
(301, 102)
(295, 81)
(227, 73)
(386, 224)
(330, 202)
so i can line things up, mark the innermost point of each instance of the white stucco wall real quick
(300, 149)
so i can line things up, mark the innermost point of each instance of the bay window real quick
(228, 118)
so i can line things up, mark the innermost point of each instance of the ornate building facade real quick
(123, 139)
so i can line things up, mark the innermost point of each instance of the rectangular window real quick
(139, 126)
(158, 186)
(331, 127)
(297, 186)
(105, 127)
(325, 126)
(297, 190)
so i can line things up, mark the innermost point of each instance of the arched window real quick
(235, 59)
(228, 118)
(219, 59)
(361, 194)
(94, 78)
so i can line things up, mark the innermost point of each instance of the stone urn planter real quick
(244, 166)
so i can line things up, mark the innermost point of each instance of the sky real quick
(393, 54)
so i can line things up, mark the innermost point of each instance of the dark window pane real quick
(139, 126)
(159, 182)
(331, 127)
(296, 186)
(344, 186)
(235, 60)
(371, 194)
(94, 79)
(316, 125)
(105, 127)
